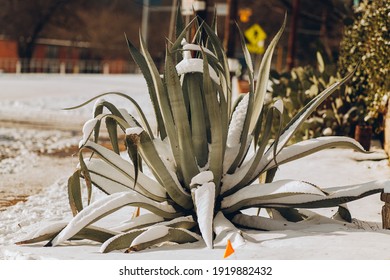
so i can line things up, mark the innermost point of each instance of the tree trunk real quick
(26, 46)
(25, 52)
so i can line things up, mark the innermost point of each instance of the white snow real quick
(202, 178)
(193, 65)
(146, 218)
(87, 130)
(236, 124)
(40, 98)
(151, 234)
(204, 197)
(134, 130)
(100, 208)
(192, 47)
(225, 230)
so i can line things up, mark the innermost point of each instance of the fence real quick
(14, 65)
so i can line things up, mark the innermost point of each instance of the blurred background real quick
(87, 36)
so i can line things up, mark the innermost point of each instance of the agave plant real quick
(203, 160)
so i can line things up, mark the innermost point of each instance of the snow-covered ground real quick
(32, 99)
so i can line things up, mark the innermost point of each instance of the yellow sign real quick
(255, 36)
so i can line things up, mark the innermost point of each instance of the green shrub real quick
(338, 115)
(366, 42)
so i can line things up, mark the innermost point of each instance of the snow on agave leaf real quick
(105, 206)
(192, 65)
(203, 193)
(87, 130)
(204, 197)
(150, 234)
(113, 167)
(193, 47)
(140, 221)
(289, 193)
(225, 230)
(200, 161)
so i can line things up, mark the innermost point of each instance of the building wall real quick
(8, 56)
(8, 49)
(52, 58)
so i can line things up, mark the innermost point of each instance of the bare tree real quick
(25, 21)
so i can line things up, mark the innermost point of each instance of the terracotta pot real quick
(363, 135)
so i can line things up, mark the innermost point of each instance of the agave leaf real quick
(262, 223)
(214, 22)
(98, 110)
(218, 143)
(163, 173)
(186, 153)
(105, 206)
(192, 83)
(295, 194)
(164, 104)
(87, 177)
(141, 62)
(137, 107)
(43, 234)
(132, 150)
(150, 238)
(114, 182)
(308, 147)
(124, 240)
(74, 193)
(343, 214)
(225, 230)
(179, 38)
(262, 79)
(142, 221)
(121, 241)
(298, 119)
(219, 51)
(293, 152)
(248, 60)
(245, 175)
(204, 200)
(243, 148)
(92, 233)
(111, 125)
(116, 169)
(290, 214)
(93, 123)
(179, 26)
(95, 234)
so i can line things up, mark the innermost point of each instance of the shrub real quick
(337, 116)
(366, 41)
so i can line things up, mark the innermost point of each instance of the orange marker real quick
(229, 249)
